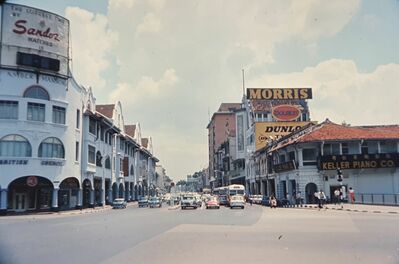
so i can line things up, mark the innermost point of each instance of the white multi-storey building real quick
(58, 150)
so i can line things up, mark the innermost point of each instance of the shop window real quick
(331, 149)
(37, 92)
(77, 118)
(58, 115)
(51, 148)
(36, 112)
(15, 146)
(291, 155)
(8, 110)
(77, 151)
(92, 154)
(131, 170)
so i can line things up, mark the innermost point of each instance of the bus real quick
(235, 189)
(221, 192)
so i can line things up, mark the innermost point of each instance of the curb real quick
(345, 209)
(174, 207)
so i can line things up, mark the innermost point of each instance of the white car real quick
(237, 201)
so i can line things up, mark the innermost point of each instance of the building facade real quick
(58, 149)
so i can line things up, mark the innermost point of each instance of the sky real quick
(172, 62)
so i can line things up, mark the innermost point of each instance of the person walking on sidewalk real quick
(336, 196)
(351, 195)
(321, 198)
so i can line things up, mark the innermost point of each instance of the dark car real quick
(265, 201)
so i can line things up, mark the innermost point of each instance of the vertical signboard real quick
(240, 132)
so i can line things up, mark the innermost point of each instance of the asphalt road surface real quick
(253, 235)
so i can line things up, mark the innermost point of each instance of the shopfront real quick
(30, 193)
(68, 194)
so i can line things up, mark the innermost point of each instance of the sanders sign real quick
(286, 112)
(28, 27)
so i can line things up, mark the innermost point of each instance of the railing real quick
(372, 198)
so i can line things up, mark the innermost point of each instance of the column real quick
(91, 203)
(3, 201)
(102, 192)
(262, 187)
(110, 199)
(54, 205)
(79, 206)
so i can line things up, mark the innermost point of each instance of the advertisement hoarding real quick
(32, 28)
(266, 131)
(279, 93)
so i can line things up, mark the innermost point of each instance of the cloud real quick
(92, 43)
(125, 4)
(147, 88)
(342, 93)
(150, 24)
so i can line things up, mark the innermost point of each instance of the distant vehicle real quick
(212, 202)
(143, 202)
(222, 193)
(256, 199)
(199, 200)
(237, 201)
(155, 202)
(119, 203)
(265, 201)
(235, 189)
(188, 200)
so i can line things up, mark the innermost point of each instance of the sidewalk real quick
(362, 208)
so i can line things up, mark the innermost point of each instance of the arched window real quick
(15, 146)
(37, 92)
(131, 170)
(107, 163)
(51, 148)
(99, 159)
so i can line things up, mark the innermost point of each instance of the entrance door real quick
(20, 202)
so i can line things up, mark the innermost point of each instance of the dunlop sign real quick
(359, 161)
(279, 93)
(266, 131)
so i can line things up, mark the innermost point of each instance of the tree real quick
(181, 182)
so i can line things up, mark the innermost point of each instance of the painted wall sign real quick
(286, 112)
(52, 163)
(32, 181)
(32, 28)
(13, 162)
(266, 131)
(279, 93)
(359, 161)
(285, 166)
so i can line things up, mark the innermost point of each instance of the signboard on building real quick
(285, 166)
(286, 112)
(279, 93)
(359, 161)
(32, 28)
(266, 131)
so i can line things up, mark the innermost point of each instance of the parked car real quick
(199, 200)
(155, 202)
(119, 203)
(212, 202)
(265, 201)
(237, 201)
(188, 200)
(143, 201)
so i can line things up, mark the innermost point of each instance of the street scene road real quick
(253, 235)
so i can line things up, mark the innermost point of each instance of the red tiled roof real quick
(329, 131)
(130, 130)
(106, 110)
(228, 107)
(144, 142)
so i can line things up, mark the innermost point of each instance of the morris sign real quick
(279, 93)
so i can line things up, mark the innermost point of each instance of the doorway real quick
(20, 203)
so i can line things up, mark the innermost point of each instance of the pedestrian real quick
(273, 202)
(298, 199)
(287, 196)
(322, 199)
(336, 196)
(351, 195)
(250, 200)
